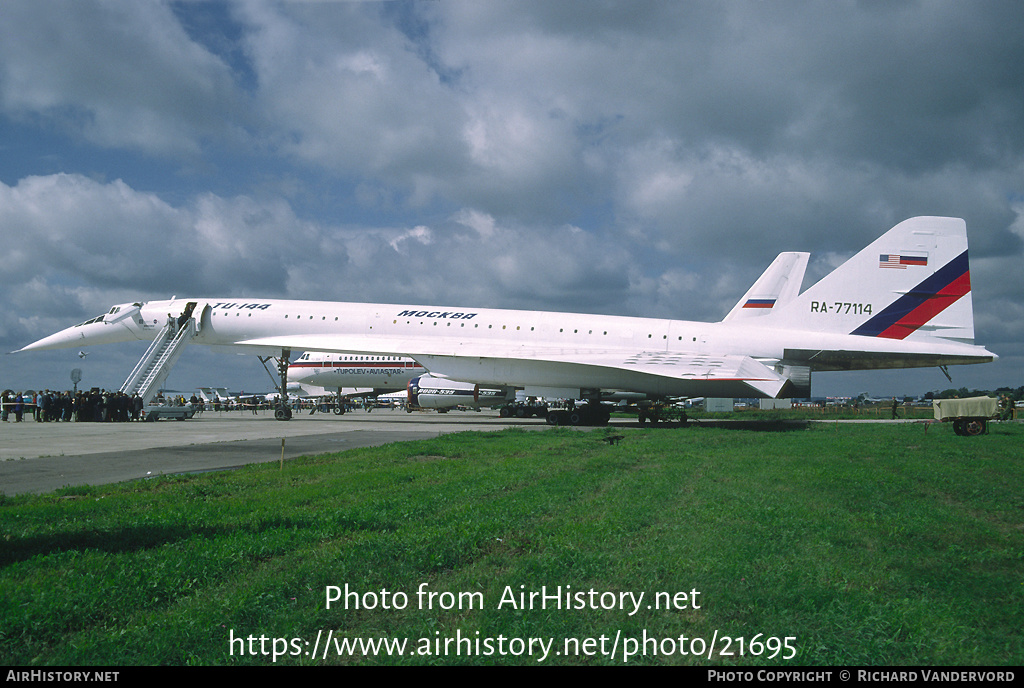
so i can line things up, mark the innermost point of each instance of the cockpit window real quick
(97, 319)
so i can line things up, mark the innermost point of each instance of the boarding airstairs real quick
(159, 358)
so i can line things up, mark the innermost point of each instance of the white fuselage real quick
(520, 348)
(338, 371)
(408, 330)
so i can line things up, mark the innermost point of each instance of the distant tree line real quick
(1015, 394)
(962, 393)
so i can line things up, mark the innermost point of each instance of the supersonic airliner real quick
(904, 301)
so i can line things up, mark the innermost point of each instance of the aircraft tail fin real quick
(776, 287)
(913, 282)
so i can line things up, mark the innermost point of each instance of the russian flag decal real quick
(759, 303)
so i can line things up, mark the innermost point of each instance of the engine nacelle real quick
(429, 392)
(799, 380)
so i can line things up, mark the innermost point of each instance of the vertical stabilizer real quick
(912, 282)
(776, 287)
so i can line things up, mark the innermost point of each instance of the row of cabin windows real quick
(561, 330)
(475, 325)
(306, 357)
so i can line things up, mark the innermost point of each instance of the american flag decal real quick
(895, 260)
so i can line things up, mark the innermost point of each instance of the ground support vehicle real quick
(660, 413)
(518, 409)
(153, 413)
(583, 414)
(968, 416)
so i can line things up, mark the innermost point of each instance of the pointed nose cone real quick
(82, 335)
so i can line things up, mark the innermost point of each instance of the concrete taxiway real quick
(42, 457)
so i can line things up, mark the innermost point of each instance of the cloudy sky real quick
(634, 158)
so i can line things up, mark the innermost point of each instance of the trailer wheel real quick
(974, 427)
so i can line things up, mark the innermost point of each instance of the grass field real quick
(835, 544)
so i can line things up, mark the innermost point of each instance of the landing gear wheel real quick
(282, 413)
(339, 410)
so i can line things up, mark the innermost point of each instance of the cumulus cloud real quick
(73, 228)
(347, 92)
(119, 74)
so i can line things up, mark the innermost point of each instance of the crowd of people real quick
(85, 406)
(104, 406)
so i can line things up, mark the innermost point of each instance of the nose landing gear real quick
(281, 410)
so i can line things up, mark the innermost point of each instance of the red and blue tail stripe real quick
(922, 303)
